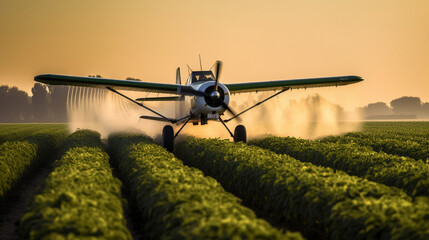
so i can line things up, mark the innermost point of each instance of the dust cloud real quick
(306, 117)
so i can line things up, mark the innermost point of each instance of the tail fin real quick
(178, 79)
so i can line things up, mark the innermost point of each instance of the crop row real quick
(414, 147)
(338, 205)
(408, 174)
(20, 132)
(178, 202)
(19, 158)
(80, 198)
(406, 129)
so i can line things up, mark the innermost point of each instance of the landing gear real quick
(240, 134)
(168, 138)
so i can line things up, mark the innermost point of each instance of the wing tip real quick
(352, 79)
(42, 77)
(358, 78)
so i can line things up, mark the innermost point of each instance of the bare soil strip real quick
(13, 207)
(130, 210)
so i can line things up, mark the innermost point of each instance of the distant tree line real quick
(408, 107)
(47, 104)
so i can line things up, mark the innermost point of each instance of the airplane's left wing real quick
(116, 84)
(292, 84)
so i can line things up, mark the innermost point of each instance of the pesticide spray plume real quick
(308, 117)
(100, 110)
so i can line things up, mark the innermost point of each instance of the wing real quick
(292, 84)
(104, 83)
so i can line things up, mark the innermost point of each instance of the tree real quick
(58, 99)
(19, 103)
(4, 110)
(407, 105)
(378, 108)
(40, 103)
(425, 110)
(14, 105)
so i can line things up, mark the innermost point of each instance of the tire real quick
(168, 138)
(240, 134)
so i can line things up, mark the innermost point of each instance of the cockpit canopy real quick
(197, 76)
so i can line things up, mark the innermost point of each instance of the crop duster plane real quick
(203, 98)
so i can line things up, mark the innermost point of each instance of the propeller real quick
(213, 95)
(218, 71)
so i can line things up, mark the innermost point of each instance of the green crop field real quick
(372, 184)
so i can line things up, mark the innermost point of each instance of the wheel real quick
(168, 138)
(240, 134)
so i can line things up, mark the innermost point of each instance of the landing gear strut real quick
(240, 134)
(168, 135)
(168, 138)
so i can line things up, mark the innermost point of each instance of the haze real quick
(385, 41)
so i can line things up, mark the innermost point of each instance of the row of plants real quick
(402, 172)
(80, 198)
(409, 129)
(20, 132)
(19, 158)
(416, 147)
(337, 205)
(175, 201)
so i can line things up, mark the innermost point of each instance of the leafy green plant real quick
(15, 159)
(80, 198)
(316, 197)
(20, 132)
(410, 139)
(405, 173)
(19, 158)
(179, 202)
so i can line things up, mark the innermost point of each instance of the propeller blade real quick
(218, 71)
(229, 109)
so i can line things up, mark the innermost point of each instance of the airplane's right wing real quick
(116, 84)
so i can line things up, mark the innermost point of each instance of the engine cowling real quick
(213, 102)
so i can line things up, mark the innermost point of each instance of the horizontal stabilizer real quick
(163, 99)
(166, 119)
(159, 119)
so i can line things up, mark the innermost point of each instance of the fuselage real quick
(203, 108)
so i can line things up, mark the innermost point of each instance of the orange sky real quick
(384, 41)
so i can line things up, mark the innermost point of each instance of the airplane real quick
(202, 99)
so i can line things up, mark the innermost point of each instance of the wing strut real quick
(187, 120)
(141, 105)
(259, 103)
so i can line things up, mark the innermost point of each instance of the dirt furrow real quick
(13, 207)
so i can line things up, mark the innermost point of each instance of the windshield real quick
(203, 77)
